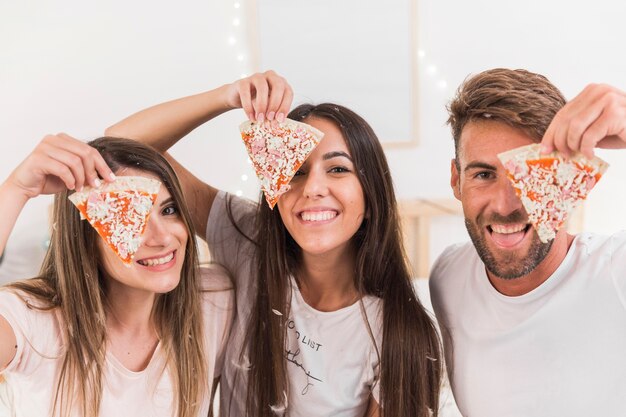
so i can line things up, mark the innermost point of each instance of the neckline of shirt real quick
(117, 364)
(545, 287)
(344, 310)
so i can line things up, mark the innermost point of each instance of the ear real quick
(455, 180)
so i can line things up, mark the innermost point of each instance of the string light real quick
(432, 70)
(240, 52)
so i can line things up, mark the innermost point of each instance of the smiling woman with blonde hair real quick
(92, 337)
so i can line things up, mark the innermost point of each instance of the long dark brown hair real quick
(410, 360)
(72, 281)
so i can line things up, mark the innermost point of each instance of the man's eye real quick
(484, 175)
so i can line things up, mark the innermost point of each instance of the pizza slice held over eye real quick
(119, 211)
(550, 186)
(277, 151)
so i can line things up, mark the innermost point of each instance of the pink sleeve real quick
(36, 331)
(15, 312)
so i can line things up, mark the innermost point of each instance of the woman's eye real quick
(298, 173)
(170, 210)
(339, 169)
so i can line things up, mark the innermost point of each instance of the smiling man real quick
(530, 329)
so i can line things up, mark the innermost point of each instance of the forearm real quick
(164, 124)
(12, 203)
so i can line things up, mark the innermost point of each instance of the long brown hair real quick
(410, 360)
(72, 282)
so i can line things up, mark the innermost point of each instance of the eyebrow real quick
(335, 154)
(480, 165)
(167, 201)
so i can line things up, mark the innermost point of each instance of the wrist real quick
(226, 97)
(9, 191)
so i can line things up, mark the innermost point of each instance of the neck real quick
(327, 281)
(543, 271)
(129, 311)
(130, 326)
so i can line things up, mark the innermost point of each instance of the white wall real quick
(78, 66)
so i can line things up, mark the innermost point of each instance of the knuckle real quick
(75, 161)
(92, 152)
(576, 127)
(612, 98)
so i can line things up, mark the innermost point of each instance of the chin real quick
(512, 263)
(166, 286)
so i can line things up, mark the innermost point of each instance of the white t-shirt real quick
(30, 378)
(332, 363)
(559, 350)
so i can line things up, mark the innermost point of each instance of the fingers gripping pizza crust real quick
(550, 186)
(119, 211)
(277, 152)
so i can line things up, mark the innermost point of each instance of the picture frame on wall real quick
(371, 69)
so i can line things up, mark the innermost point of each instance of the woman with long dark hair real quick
(90, 336)
(327, 322)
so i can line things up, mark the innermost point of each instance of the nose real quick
(506, 200)
(156, 233)
(315, 185)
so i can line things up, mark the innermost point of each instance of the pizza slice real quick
(119, 211)
(277, 151)
(550, 186)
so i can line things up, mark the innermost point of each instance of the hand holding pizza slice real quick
(277, 151)
(119, 211)
(551, 185)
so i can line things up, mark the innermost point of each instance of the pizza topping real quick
(550, 186)
(277, 152)
(119, 211)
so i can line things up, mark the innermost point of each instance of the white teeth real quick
(318, 216)
(157, 261)
(507, 228)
